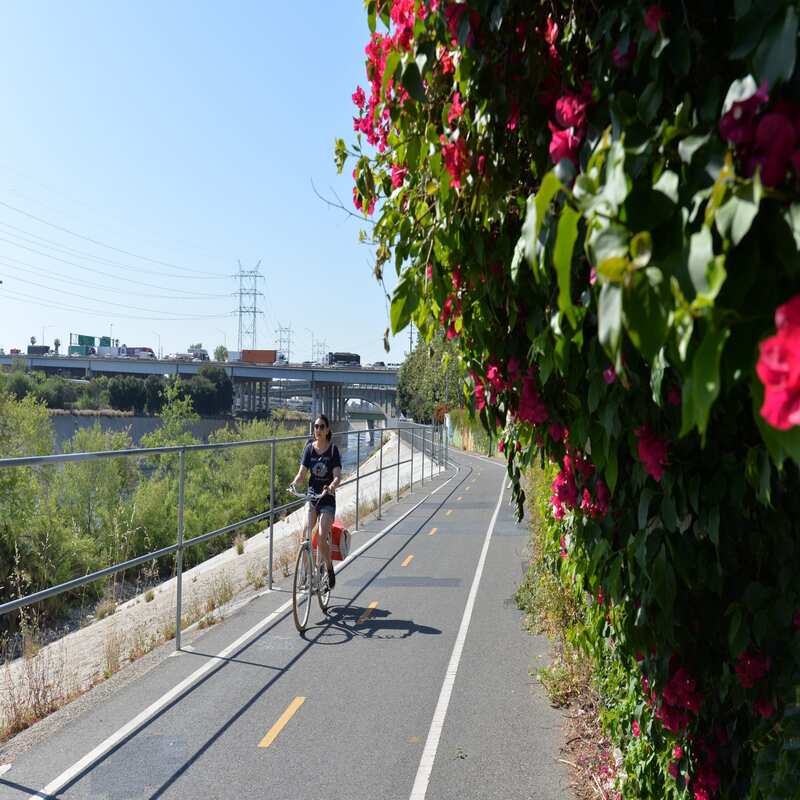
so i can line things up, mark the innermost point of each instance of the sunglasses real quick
(319, 427)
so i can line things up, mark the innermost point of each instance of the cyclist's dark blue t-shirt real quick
(320, 465)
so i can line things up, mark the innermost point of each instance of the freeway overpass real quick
(328, 387)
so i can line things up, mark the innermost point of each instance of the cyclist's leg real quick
(325, 523)
(311, 521)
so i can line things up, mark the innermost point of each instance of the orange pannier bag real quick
(340, 541)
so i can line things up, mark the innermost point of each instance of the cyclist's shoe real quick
(331, 577)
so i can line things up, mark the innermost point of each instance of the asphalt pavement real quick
(416, 684)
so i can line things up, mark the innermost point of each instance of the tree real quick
(154, 393)
(599, 204)
(198, 346)
(220, 353)
(430, 376)
(223, 387)
(33, 341)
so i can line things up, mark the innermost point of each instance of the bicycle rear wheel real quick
(302, 587)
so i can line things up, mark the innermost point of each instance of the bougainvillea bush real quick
(599, 203)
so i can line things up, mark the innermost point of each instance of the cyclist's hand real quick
(292, 488)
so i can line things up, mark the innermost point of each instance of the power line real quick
(80, 266)
(104, 244)
(51, 244)
(284, 335)
(16, 295)
(174, 316)
(5, 262)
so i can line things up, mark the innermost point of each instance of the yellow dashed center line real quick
(433, 530)
(367, 611)
(448, 512)
(281, 723)
(407, 561)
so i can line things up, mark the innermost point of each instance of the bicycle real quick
(308, 577)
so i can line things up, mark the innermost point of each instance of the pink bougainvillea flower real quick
(359, 98)
(531, 407)
(446, 62)
(457, 280)
(592, 276)
(494, 376)
(513, 115)
(653, 452)
(456, 110)
(514, 368)
(636, 729)
(773, 146)
(623, 58)
(571, 110)
(764, 708)
(674, 770)
(455, 157)
(609, 375)
(653, 17)
(557, 431)
(738, 123)
(564, 144)
(677, 752)
(778, 368)
(398, 175)
(551, 31)
(429, 272)
(501, 445)
(480, 397)
(751, 668)
(674, 395)
(481, 165)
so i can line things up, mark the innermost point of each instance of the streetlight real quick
(312, 342)
(46, 327)
(160, 353)
(224, 337)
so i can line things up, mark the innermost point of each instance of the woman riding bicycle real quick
(322, 460)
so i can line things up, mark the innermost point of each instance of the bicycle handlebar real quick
(312, 498)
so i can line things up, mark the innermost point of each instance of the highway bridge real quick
(329, 388)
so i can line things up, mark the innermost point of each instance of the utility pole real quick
(248, 305)
(284, 335)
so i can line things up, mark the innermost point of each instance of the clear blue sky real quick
(187, 133)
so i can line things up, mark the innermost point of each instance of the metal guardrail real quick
(434, 446)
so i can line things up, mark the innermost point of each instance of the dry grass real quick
(255, 576)
(112, 652)
(36, 691)
(142, 641)
(220, 592)
(149, 596)
(239, 542)
(105, 608)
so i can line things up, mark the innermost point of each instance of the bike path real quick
(369, 687)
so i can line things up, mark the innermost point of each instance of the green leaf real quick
(664, 581)
(616, 187)
(780, 444)
(404, 300)
(680, 56)
(642, 249)
(657, 375)
(566, 235)
(392, 65)
(412, 81)
(646, 312)
(609, 323)
(702, 386)
(735, 217)
(775, 57)
(667, 184)
(371, 15)
(644, 507)
(612, 468)
(690, 145)
(614, 269)
(650, 101)
(610, 242)
(706, 271)
(535, 211)
(738, 636)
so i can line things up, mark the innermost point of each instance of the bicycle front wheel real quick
(323, 588)
(301, 587)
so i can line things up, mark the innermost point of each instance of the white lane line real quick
(4, 768)
(484, 459)
(57, 784)
(420, 788)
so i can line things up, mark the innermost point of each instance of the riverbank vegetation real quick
(61, 521)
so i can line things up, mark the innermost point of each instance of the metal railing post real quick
(412, 460)
(179, 554)
(397, 496)
(380, 479)
(358, 476)
(422, 450)
(271, 506)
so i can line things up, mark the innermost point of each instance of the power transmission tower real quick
(284, 335)
(320, 351)
(248, 305)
